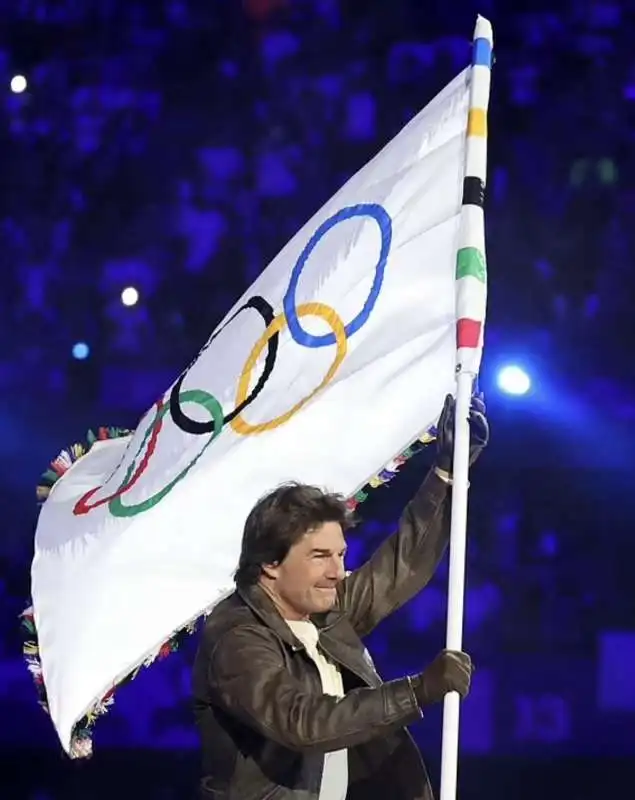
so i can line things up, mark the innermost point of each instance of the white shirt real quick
(335, 775)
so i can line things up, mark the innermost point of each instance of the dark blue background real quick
(176, 145)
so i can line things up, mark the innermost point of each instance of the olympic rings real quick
(189, 425)
(321, 310)
(381, 217)
(289, 317)
(209, 403)
(82, 506)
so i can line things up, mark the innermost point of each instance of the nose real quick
(336, 571)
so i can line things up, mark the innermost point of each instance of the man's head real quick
(294, 546)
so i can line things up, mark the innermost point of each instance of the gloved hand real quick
(479, 432)
(451, 671)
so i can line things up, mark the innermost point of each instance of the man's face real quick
(305, 582)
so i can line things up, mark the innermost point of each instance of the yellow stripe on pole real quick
(477, 122)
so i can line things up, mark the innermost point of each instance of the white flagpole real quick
(456, 581)
(470, 305)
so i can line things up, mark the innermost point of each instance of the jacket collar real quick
(265, 609)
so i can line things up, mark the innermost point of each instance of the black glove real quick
(479, 432)
(450, 671)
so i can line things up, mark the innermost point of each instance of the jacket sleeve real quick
(404, 563)
(250, 680)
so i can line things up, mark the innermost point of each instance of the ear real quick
(271, 571)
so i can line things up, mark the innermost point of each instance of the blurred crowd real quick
(176, 145)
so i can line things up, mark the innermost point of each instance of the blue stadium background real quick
(175, 146)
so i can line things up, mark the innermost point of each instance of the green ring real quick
(116, 506)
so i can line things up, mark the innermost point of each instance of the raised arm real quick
(404, 564)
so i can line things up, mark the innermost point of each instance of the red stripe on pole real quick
(468, 333)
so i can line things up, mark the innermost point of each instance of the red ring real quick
(82, 506)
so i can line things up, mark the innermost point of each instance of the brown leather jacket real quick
(263, 719)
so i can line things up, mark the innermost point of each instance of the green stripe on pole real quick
(470, 261)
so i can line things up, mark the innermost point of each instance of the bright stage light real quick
(18, 84)
(81, 351)
(129, 296)
(513, 380)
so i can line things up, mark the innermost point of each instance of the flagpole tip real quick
(483, 29)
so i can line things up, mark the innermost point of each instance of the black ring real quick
(189, 425)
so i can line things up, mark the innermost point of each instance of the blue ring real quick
(382, 218)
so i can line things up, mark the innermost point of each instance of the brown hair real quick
(280, 519)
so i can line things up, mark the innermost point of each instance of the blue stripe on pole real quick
(482, 53)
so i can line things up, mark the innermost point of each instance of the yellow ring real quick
(330, 316)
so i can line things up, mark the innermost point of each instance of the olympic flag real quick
(326, 371)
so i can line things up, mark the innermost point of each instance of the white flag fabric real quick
(337, 358)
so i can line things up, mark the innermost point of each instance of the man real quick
(288, 703)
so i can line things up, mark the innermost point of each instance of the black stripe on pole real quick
(473, 192)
